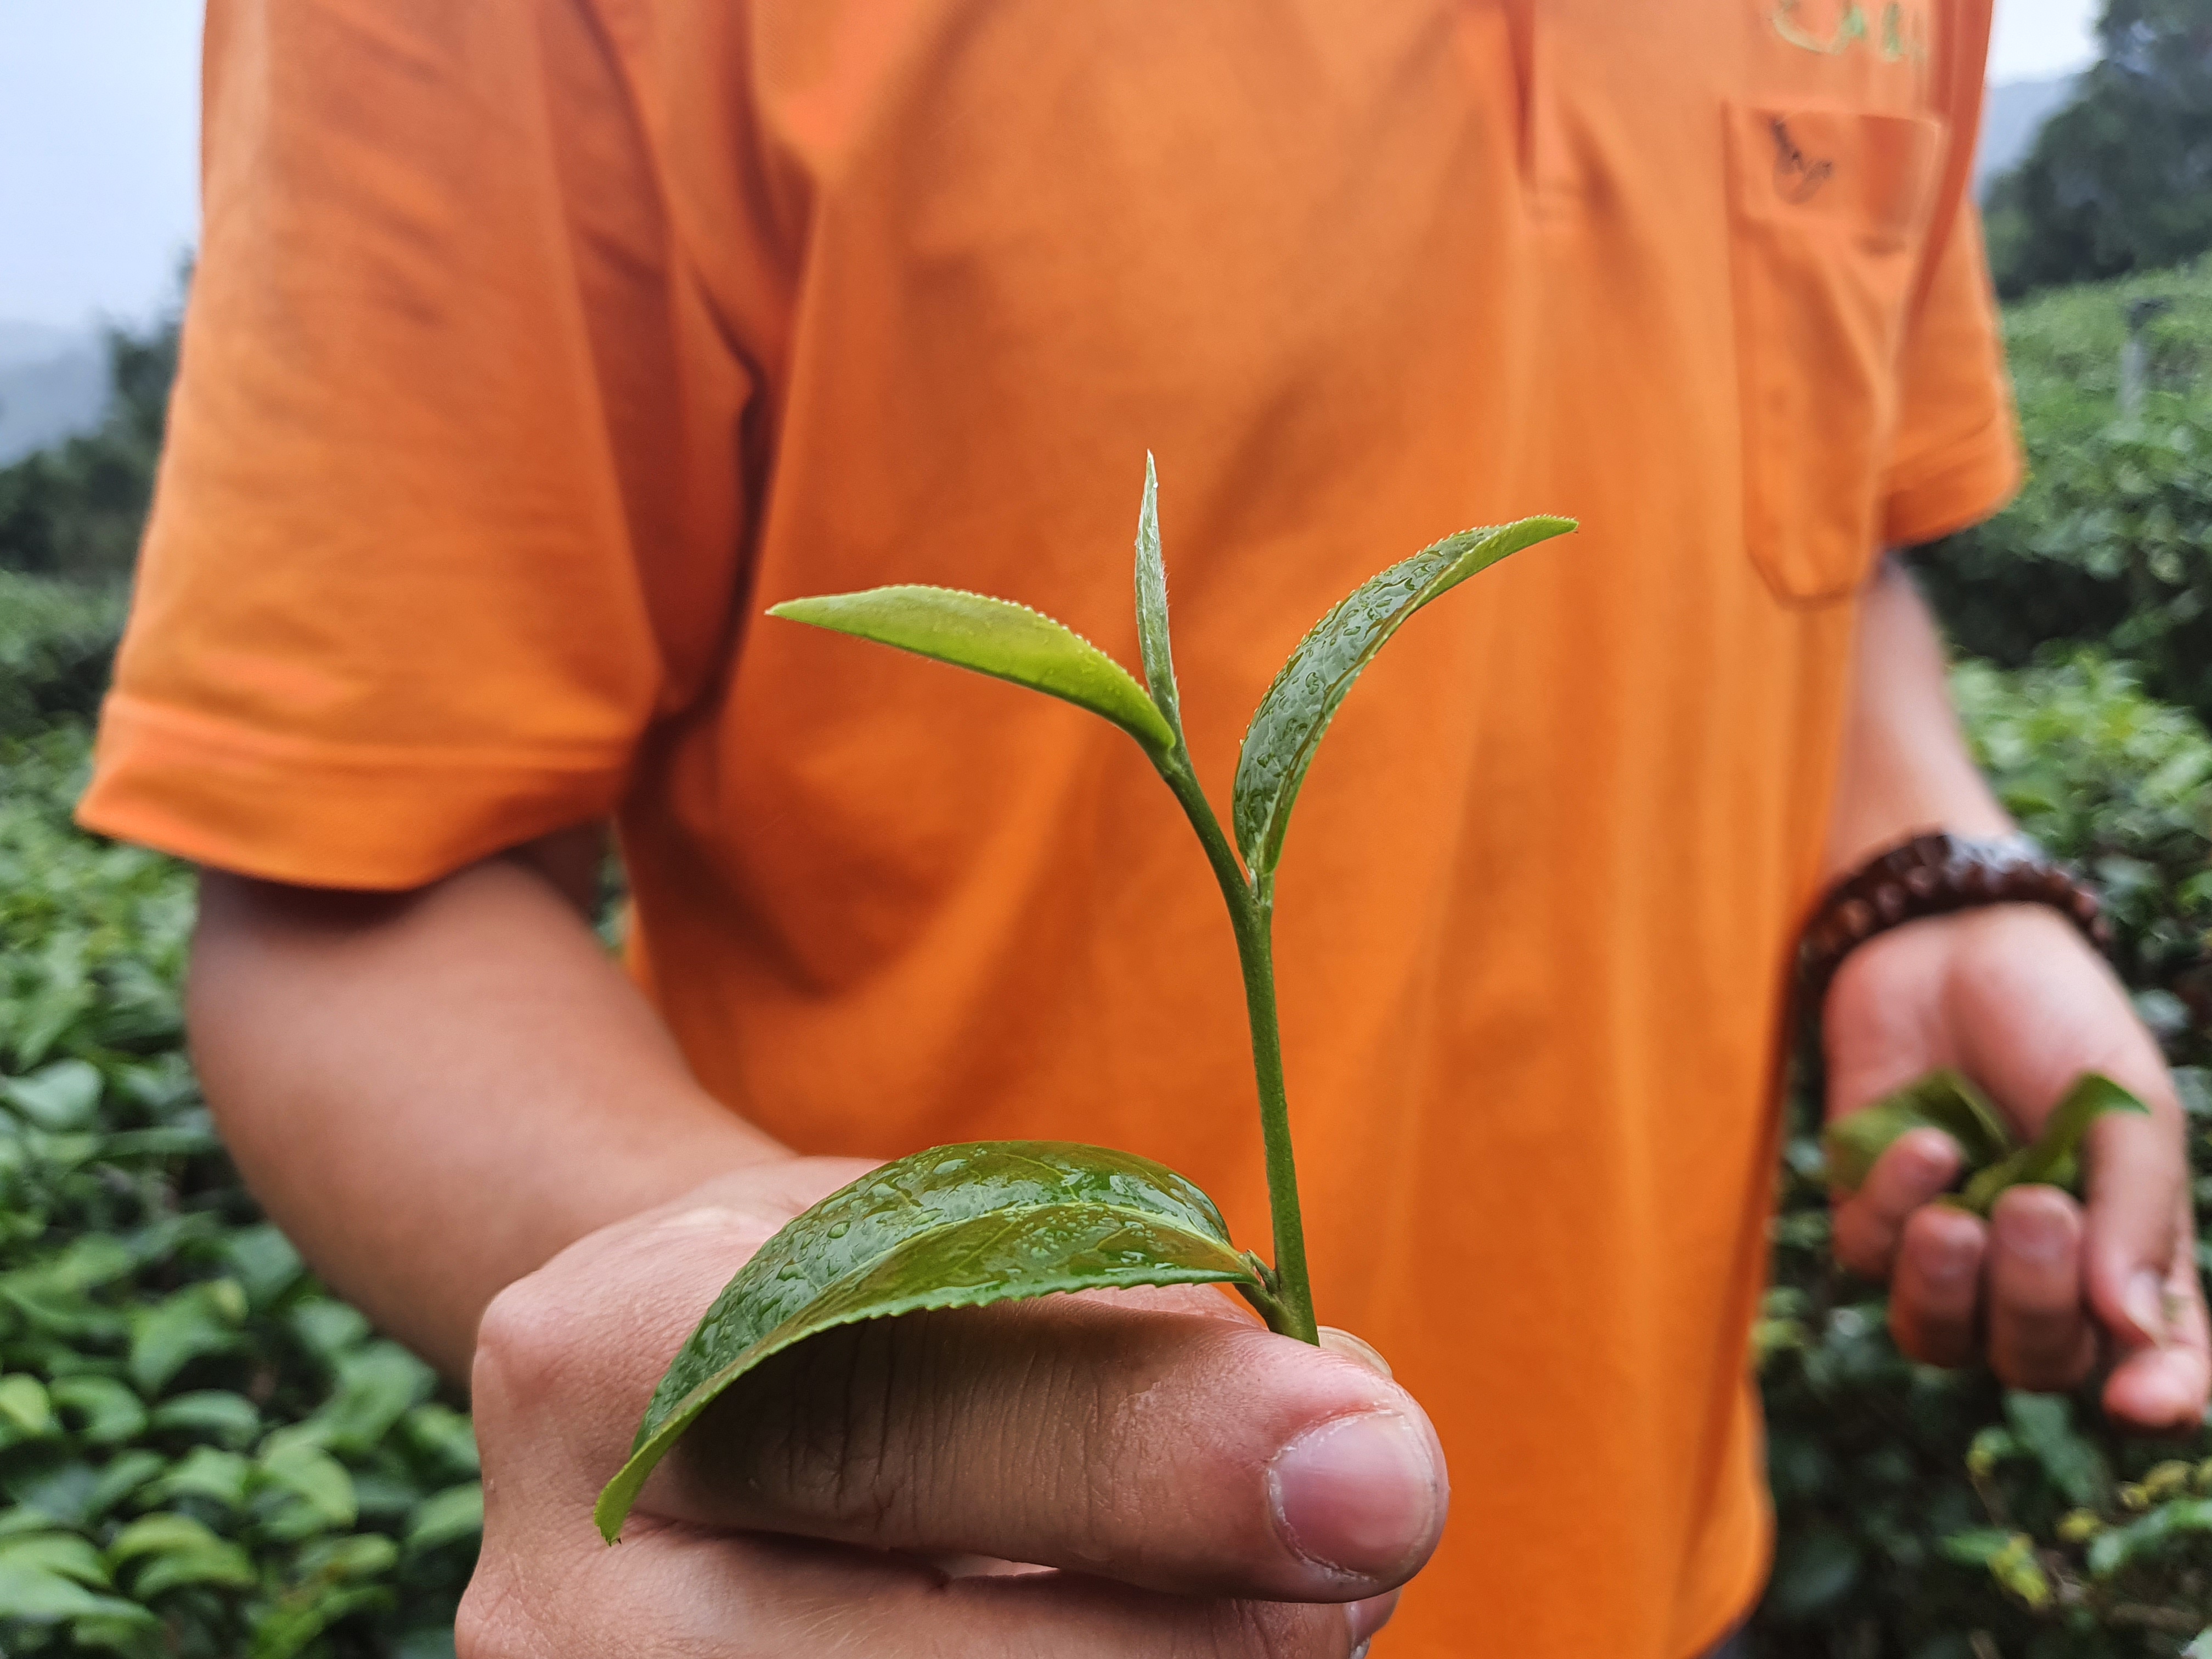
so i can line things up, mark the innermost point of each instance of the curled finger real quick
(1936, 1288)
(2040, 1335)
(1917, 1168)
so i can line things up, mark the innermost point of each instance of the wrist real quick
(1856, 840)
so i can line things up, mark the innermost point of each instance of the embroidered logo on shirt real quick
(1896, 31)
(1798, 177)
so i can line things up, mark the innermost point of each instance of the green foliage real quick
(202, 1454)
(2111, 542)
(1994, 1162)
(57, 645)
(953, 1227)
(2052, 1159)
(1944, 1100)
(1919, 1508)
(2102, 774)
(2115, 181)
(77, 509)
(2107, 541)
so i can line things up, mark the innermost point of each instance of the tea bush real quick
(76, 509)
(57, 643)
(202, 1454)
(2111, 541)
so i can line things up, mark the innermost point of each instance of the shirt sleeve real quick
(1956, 456)
(430, 548)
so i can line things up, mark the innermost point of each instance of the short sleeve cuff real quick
(375, 817)
(1961, 485)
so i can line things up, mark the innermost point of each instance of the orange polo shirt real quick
(537, 344)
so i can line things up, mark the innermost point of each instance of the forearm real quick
(1904, 763)
(435, 1092)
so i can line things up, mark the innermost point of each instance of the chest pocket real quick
(1829, 209)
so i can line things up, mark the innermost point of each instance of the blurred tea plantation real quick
(203, 1452)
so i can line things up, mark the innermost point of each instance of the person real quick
(536, 346)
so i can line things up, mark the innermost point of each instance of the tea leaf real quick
(958, 1226)
(1152, 604)
(997, 637)
(63, 1554)
(1288, 724)
(217, 1414)
(446, 1518)
(2055, 1158)
(34, 1595)
(1942, 1100)
(112, 1413)
(1993, 1161)
(62, 1095)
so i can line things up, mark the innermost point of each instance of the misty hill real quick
(53, 384)
(2012, 115)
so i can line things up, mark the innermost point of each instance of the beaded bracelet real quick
(1932, 875)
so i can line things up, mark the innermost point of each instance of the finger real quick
(683, 1593)
(1179, 1453)
(2164, 1387)
(1918, 1169)
(1937, 1285)
(2040, 1337)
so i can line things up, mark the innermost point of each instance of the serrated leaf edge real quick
(1164, 738)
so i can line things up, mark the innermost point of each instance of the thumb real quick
(2136, 1167)
(1180, 1452)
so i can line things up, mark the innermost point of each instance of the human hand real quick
(2012, 997)
(1192, 1477)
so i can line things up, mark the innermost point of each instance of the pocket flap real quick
(1865, 176)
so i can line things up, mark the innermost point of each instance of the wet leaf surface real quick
(1287, 727)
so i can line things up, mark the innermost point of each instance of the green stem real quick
(1251, 915)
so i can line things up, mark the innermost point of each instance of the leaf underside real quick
(997, 637)
(1994, 1161)
(1152, 605)
(960, 1226)
(1287, 726)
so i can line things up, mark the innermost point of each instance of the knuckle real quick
(525, 1343)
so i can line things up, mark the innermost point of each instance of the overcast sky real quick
(98, 136)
